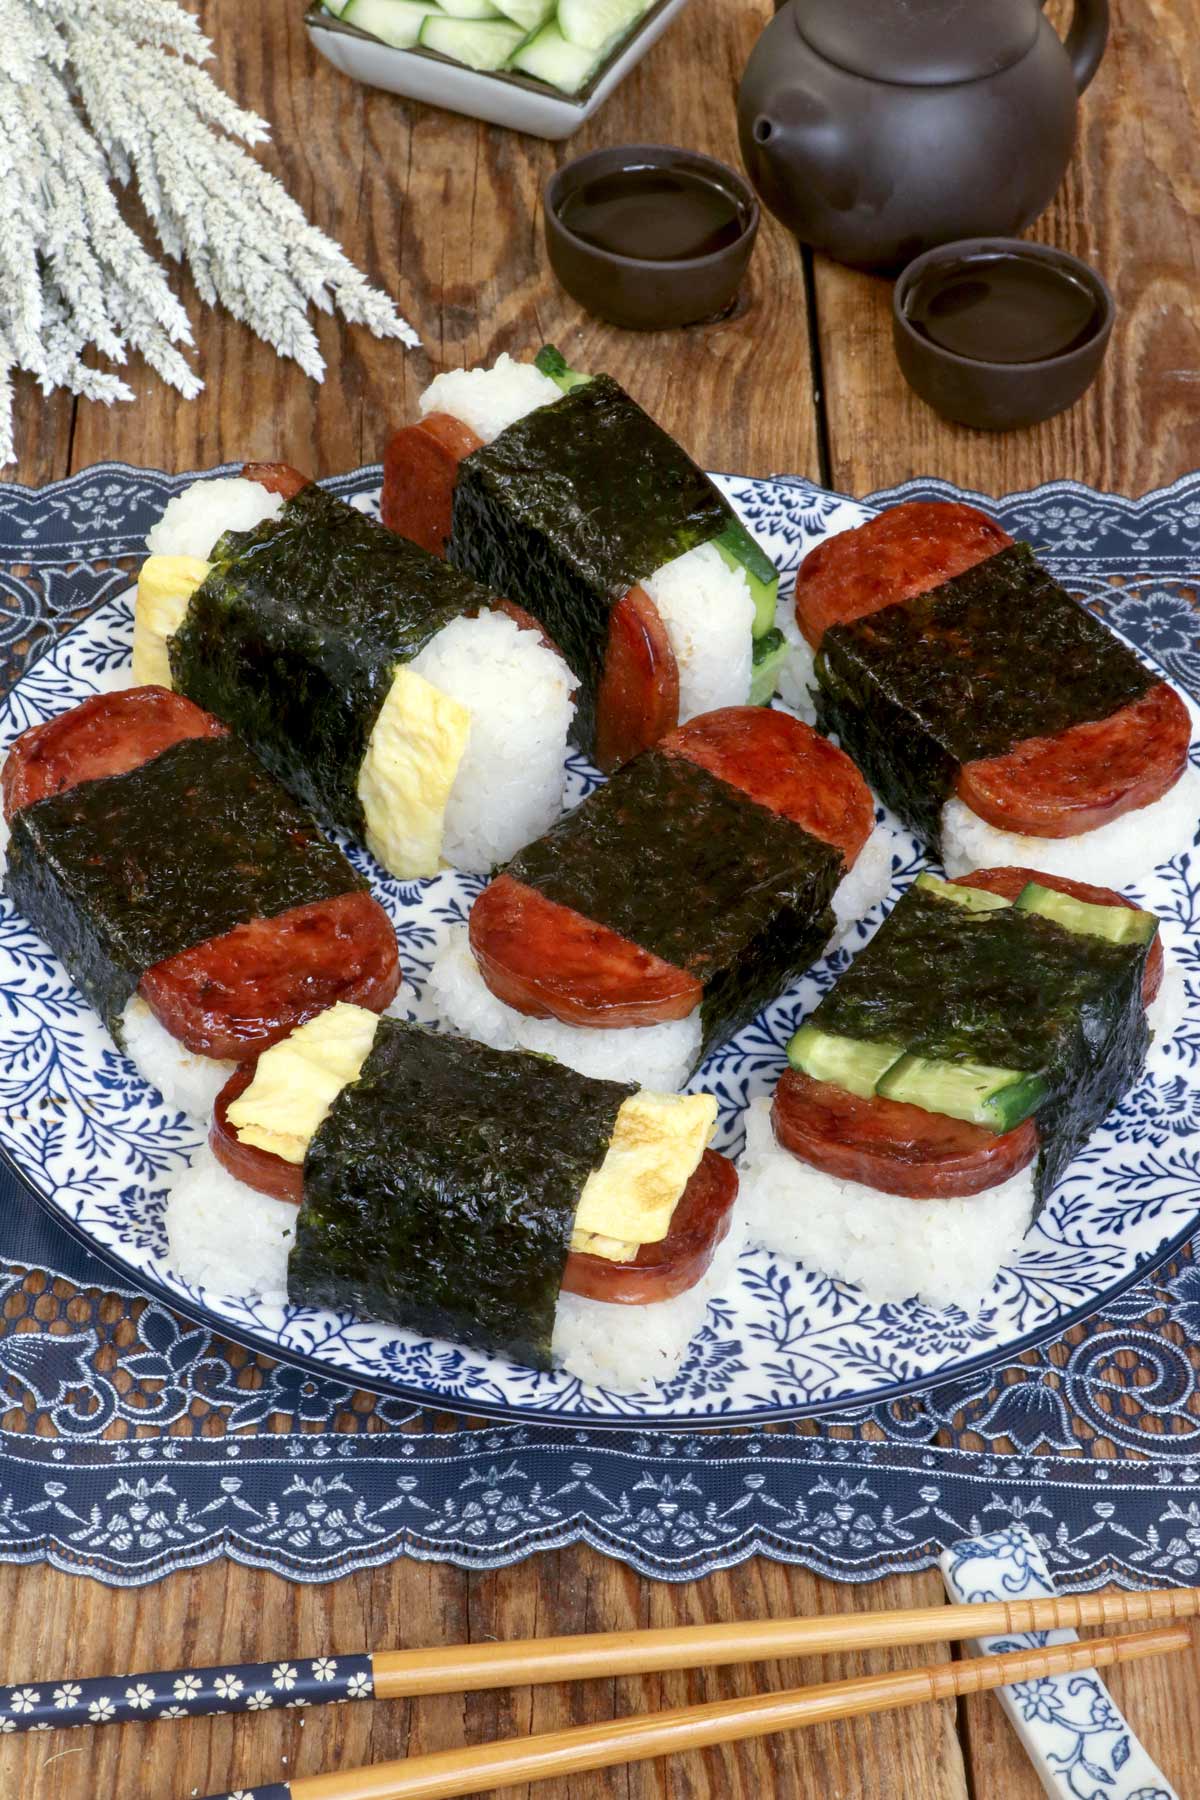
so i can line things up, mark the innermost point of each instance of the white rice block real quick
(509, 786)
(797, 672)
(1116, 855)
(944, 1252)
(660, 1057)
(187, 1082)
(708, 611)
(866, 884)
(628, 1348)
(489, 400)
(193, 520)
(225, 1236)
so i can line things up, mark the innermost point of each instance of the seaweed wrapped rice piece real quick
(397, 698)
(941, 1088)
(658, 918)
(1001, 719)
(561, 490)
(191, 900)
(496, 1200)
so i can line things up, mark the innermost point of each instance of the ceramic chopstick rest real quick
(1076, 1738)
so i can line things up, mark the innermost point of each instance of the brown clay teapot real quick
(876, 129)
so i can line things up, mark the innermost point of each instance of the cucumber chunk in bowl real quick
(395, 22)
(528, 14)
(480, 43)
(591, 23)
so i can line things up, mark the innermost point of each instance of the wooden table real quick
(446, 214)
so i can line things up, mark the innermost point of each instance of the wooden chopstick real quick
(407, 1674)
(485, 1766)
(467, 1668)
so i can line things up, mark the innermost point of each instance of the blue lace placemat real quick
(134, 1443)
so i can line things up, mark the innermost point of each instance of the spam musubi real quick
(559, 490)
(683, 895)
(493, 1198)
(390, 692)
(191, 900)
(998, 716)
(940, 1089)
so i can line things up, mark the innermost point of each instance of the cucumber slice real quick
(1119, 924)
(549, 57)
(970, 899)
(741, 551)
(395, 22)
(850, 1063)
(468, 9)
(589, 23)
(336, 7)
(553, 363)
(479, 43)
(769, 652)
(998, 1099)
(530, 15)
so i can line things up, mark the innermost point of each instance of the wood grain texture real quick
(224, 1612)
(1130, 205)
(445, 213)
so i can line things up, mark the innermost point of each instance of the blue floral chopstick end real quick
(278, 1790)
(1078, 1742)
(186, 1693)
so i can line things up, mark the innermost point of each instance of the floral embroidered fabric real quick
(133, 1442)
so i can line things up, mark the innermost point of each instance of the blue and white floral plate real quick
(98, 1147)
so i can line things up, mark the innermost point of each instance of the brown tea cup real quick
(641, 292)
(992, 378)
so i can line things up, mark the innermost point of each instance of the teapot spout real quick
(795, 134)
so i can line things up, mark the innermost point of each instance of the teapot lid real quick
(919, 43)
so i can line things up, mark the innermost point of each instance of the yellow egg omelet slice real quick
(297, 1081)
(165, 585)
(404, 783)
(655, 1150)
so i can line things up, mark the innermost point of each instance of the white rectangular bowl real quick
(502, 99)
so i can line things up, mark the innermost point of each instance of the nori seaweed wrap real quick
(440, 1192)
(966, 671)
(571, 507)
(1009, 989)
(295, 636)
(120, 873)
(691, 869)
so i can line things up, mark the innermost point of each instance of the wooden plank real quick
(446, 214)
(42, 428)
(1131, 206)
(226, 1612)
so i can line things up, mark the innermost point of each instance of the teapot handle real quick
(1086, 38)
